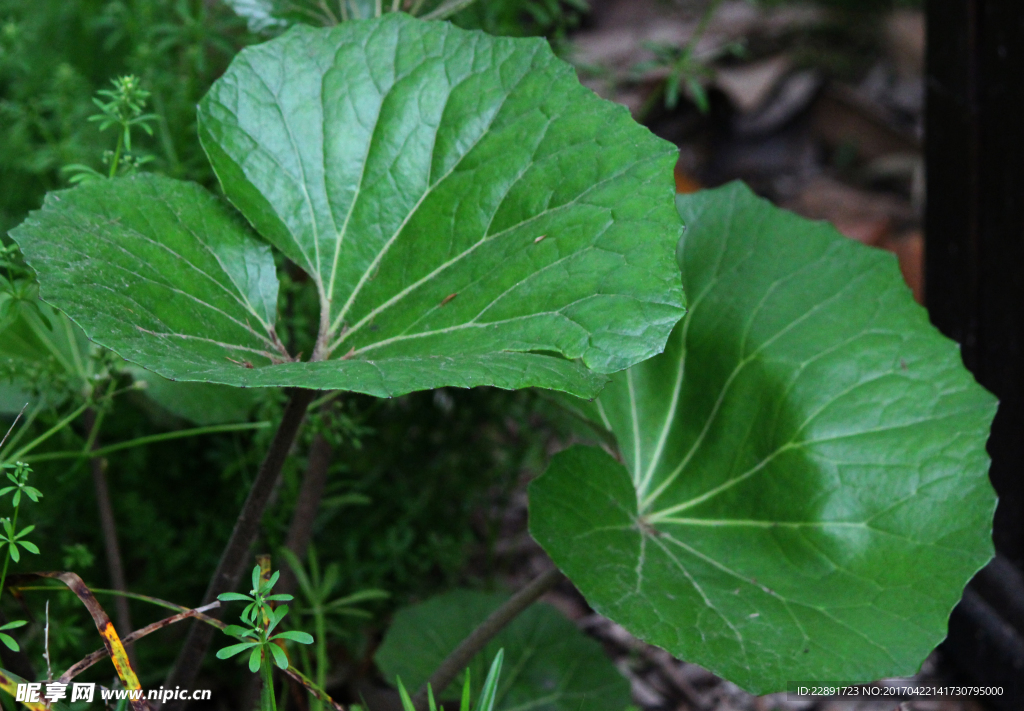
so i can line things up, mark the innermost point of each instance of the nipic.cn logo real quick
(53, 691)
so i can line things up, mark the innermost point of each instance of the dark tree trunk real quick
(975, 280)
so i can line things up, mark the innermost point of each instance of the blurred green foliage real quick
(55, 54)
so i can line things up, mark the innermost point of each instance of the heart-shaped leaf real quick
(549, 664)
(803, 492)
(468, 213)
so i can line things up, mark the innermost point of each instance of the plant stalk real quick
(234, 559)
(311, 493)
(117, 156)
(50, 432)
(142, 441)
(13, 425)
(320, 627)
(497, 621)
(115, 564)
(267, 700)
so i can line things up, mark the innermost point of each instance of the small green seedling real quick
(14, 538)
(488, 695)
(261, 620)
(123, 108)
(319, 604)
(19, 477)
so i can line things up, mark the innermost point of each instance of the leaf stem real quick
(267, 699)
(233, 559)
(484, 633)
(13, 425)
(311, 493)
(117, 155)
(448, 9)
(109, 591)
(50, 432)
(148, 439)
(25, 427)
(108, 524)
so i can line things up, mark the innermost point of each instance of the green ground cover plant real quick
(792, 482)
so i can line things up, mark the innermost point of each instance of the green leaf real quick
(280, 659)
(275, 15)
(259, 15)
(468, 213)
(239, 631)
(295, 636)
(10, 642)
(357, 597)
(233, 597)
(435, 173)
(403, 696)
(29, 546)
(556, 666)
(276, 616)
(159, 271)
(249, 613)
(234, 649)
(13, 625)
(255, 658)
(200, 403)
(489, 694)
(805, 486)
(272, 581)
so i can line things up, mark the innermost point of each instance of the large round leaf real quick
(468, 213)
(549, 664)
(803, 489)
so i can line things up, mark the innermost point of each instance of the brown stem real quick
(100, 654)
(484, 633)
(300, 530)
(115, 566)
(234, 559)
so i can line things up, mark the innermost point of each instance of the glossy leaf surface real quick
(549, 664)
(468, 213)
(451, 193)
(804, 491)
